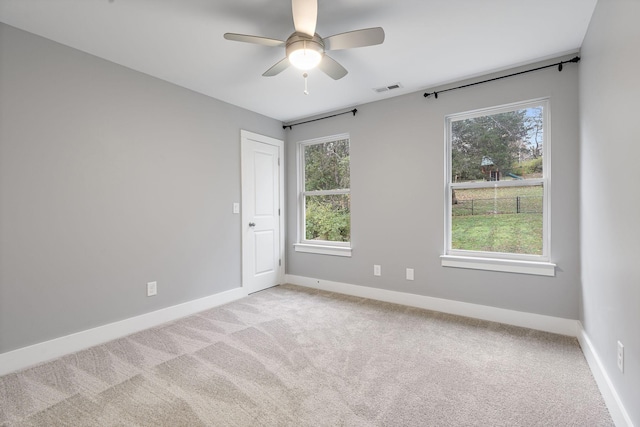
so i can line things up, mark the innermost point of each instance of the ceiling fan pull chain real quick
(306, 90)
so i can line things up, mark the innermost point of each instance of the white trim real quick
(313, 246)
(539, 322)
(48, 350)
(503, 108)
(42, 352)
(495, 264)
(545, 181)
(616, 408)
(323, 249)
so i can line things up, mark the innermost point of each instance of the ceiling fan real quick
(305, 49)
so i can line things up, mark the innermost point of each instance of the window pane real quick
(328, 218)
(505, 146)
(326, 166)
(501, 219)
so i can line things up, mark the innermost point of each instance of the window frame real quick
(499, 261)
(324, 247)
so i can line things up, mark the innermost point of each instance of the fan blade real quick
(254, 39)
(357, 38)
(279, 67)
(332, 68)
(305, 16)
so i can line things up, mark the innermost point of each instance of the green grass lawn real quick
(490, 192)
(517, 233)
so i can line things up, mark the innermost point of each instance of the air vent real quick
(387, 88)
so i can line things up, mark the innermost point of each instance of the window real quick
(324, 201)
(497, 213)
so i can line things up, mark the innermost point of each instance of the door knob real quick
(252, 224)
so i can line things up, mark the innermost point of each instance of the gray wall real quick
(610, 208)
(109, 179)
(397, 176)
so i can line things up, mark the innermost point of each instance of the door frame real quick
(245, 136)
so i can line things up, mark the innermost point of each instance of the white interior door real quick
(262, 222)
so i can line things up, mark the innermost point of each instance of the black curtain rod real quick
(559, 65)
(354, 111)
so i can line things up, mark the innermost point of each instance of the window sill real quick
(323, 249)
(493, 264)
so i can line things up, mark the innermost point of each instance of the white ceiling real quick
(428, 42)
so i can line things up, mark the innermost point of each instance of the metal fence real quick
(498, 205)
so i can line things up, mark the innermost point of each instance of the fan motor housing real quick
(299, 41)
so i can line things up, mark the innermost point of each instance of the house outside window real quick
(497, 186)
(324, 196)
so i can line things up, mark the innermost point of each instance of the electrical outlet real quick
(620, 356)
(152, 289)
(377, 270)
(236, 208)
(409, 273)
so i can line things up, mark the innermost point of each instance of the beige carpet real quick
(290, 356)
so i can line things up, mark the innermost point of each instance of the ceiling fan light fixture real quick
(305, 54)
(305, 59)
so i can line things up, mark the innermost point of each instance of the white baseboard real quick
(48, 350)
(511, 317)
(616, 408)
(528, 320)
(38, 353)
